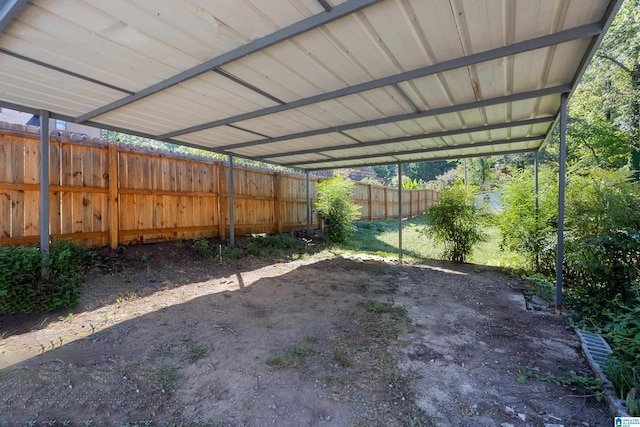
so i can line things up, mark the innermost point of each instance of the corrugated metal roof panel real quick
(27, 83)
(145, 66)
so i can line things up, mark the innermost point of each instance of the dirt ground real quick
(165, 338)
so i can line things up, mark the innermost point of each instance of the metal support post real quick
(309, 207)
(561, 187)
(465, 172)
(44, 190)
(536, 166)
(232, 207)
(400, 213)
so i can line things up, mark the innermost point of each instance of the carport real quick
(309, 84)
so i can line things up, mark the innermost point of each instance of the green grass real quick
(381, 238)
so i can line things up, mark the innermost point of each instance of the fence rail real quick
(101, 193)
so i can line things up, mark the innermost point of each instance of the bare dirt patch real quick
(169, 339)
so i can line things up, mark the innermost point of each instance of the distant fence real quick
(102, 193)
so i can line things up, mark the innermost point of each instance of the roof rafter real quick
(431, 149)
(556, 90)
(395, 161)
(8, 10)
(440, 134)
(521, 47)
(315, 21)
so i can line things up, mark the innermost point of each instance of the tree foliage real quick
(612, 84)
(336, 209)
(456, 221)
(523, 229)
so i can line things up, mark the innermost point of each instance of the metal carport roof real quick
(312, 84)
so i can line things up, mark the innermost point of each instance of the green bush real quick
(456, 222)
(202, 248)
(23, 290)
(602, 242)
(622, 332)
(336, 209)
(521, 229)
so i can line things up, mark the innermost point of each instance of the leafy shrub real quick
(520, 228)
(23, 290)
(602, 242)
(202, 248)
(622, 332)
(336, 209)
(456, 222)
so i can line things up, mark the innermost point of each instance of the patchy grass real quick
(381, 238)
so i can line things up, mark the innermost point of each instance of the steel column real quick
(465, 172)
(536, 166)
(232, 207)
(400, 213)
(309, 210)
(561, 187)
(44, 190)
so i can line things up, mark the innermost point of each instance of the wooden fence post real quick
(411, 204)
(370, 202)
(114, 211)
(277, 192)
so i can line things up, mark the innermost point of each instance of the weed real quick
(303, 349)
(146, 260)
(292, 359)
(523, 375)
(283, 361)
(165, 378)
(334, 379)
(583, 380)
(310, 338)
(379, 308)
(419, 420)
(401, 315)
(202, 248)
(342, 358)
(195, 352)
(232, 252)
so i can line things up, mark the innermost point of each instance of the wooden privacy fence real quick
(102, 193)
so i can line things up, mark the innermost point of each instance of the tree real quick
(456, 222)
(428, 171)
(617, 66)
(336, 209)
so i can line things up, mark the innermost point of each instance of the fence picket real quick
(102, 194)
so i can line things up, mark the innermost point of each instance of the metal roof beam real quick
(315, 21)
(521, 47)
(556, 90)
(394, 161)
(432, 149)
(325, 5)
(63, 71)
(528, 122)
(8, 10)
(248, 86)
